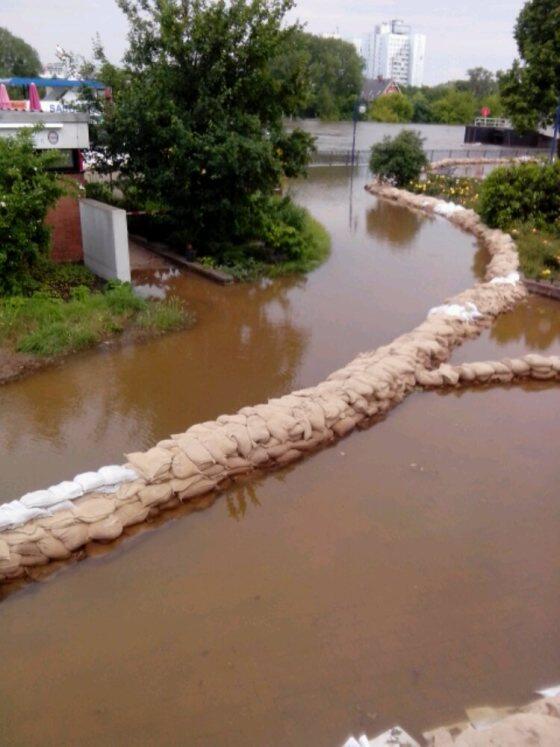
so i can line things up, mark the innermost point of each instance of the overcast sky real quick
(459, 34)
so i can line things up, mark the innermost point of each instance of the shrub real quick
(399, 159)
(527, 193)
(27, 190)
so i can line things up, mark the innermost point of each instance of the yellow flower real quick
(546, 273)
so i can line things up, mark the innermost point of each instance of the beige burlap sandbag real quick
(106, 530)
(53, 548)
(150, 464)
(132, 513)
(518, 730)
(195, 451)
(152, 495)
(94, 509)
(201, 487)
(73, 536)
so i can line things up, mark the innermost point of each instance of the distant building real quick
(393, 52)
(373, 88)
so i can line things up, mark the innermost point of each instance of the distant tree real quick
(423, 112)
(332, 74)
(399, 159)
(17, 57)
(531, 88)
(455, 107)
(392, 107)
(481, 82)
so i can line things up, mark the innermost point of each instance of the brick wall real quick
(64, 220)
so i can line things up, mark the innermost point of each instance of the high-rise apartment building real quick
(393, 51)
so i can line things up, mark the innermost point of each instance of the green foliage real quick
(531, 88)
(527, 193)
(44, 325)
(399, 159)
(330, 71)
(539, 251)
(296, 244)
(393, 107)
(455, 107)
(197, 128)
(462, 190)
(17, 57)
(27, 190)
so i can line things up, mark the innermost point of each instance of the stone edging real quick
(207, 456)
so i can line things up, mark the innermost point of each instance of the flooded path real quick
(405, 573)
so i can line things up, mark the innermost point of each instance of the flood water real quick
(406, 573)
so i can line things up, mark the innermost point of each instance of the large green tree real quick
(531, 88)
(392, 107)
(198, 126)
(332, 74)
(17, 57)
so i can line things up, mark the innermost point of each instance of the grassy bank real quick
(538, 247)
(247, 265)
(46, 324)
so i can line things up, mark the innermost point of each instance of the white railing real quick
(498, 122)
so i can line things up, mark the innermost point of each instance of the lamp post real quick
(553, 149)
(359, 109)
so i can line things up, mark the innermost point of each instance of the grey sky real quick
(460, 35)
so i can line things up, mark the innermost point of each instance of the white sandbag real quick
(89, 481)
(15, 514)
(447, 208)
(65, 491)
(466, 313)
(37, 499)
(115, 474)
(511, 279)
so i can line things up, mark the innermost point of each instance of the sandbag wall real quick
(448, 162)
(52, 524)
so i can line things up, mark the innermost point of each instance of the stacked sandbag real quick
(99, 506)
(448, 162)
(535, 724)
(505, 371)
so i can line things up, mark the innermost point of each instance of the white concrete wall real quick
(105, 239)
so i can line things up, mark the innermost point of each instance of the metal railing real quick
(343, 157)
(497, 122)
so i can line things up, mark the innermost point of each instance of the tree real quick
(17, 57)
(481, 82)
(455, 107)
(422, 109)
(531, 88)
(27, 190)
(392, 107)
(399, 159)
(197, 128)
(332, 74)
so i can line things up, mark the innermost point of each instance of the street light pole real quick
(553, 146)
(359, 108)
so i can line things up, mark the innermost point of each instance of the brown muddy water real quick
(408, 572)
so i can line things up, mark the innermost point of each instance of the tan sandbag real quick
(107, 529)
(195, 451)
(537, 361)
(35, 559)
(546, 706)
(4, 550)
(30, 532)
(182, 467)
(257, 430)
(150, 464)
(95, 509)
(344, 426)
(132, 513)
(258, 456)
(12, 567)
(73, 536)
(151, 495)
(53, 548)
(519, 366)
(201, 487)
(292, 455)
(129, 490)
(220, 446)
(519, 730)
(179, 486)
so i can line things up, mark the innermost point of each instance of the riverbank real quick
(43, 329)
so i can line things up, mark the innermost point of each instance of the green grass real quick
(317, 246)
(539, 251)
(47, 325)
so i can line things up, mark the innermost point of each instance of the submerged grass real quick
(317, 246)
(46, 325)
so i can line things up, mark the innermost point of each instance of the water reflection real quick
(535, 323)
(393, 224)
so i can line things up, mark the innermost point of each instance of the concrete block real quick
(105, 239)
